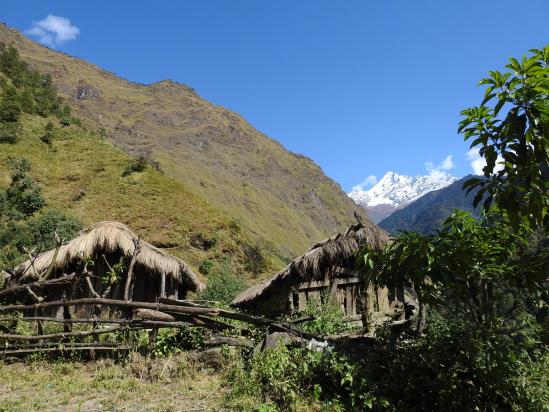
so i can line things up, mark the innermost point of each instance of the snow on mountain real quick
(394, 191)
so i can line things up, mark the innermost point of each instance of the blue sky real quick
(361, 87)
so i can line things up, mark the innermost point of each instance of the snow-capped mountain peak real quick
(394, 191)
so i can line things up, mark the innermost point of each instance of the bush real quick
(135, 165)
(48, 135)
(10, 107)
(223, 285)
(450, 369)
(42, 228)
(23, 196)
(255, 260)
(286, 378)
(9, 132)
(329, 318)
(206, 267)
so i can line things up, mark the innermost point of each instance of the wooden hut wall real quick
(274, 304)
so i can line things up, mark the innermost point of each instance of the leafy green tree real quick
(461, 265)
(10, 107)
(11, 65)
(24, 195)
(511, 130)
(41, 229)
(35, 92)
(23, 222)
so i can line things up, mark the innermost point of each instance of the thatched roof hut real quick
(106, 244)
(314, 271)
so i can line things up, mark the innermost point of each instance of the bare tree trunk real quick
(421, 319)
(137, 249)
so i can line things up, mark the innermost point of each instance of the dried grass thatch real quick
(333, 251)
(113, 237)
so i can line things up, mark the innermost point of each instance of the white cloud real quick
(440, 169)
(54, 30)
(366, 183)
(477, 162)
(447, 163)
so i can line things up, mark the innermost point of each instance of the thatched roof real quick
(333, 251)
(110, 237)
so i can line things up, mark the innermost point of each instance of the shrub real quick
(135, 165)
(24, 196)
(223, 285)
(286, 377)
(9, 132)
(255, 260)
(47, 137)
(42, 228)
(170, 341)
(329, 318)
(10, 107)
(206, 266)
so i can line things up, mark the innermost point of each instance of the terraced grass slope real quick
(282, 200)
(82, 175)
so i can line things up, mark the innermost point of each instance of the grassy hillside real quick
(81, 174)
(282, 200)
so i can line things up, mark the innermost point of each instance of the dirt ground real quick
(172, 384)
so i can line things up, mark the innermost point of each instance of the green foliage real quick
(457, 367)
(512, 124)
(136, 164)
(10, 107)
(48, 135)
(21, 224)
(206, 266)
(255, 260)
(114, 274)
(9, 132)
(32, 93)
(42, 228)
(329, 318)
(23, 197)
(461, 264)
(485, 279)
(223, 285)
(285, 377)
(168, 341)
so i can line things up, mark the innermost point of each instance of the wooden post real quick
(163, 285)
(136, 250)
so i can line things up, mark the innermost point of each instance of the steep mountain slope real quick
(429, 211)
(395, 191)
(282, 199)
(82, 175)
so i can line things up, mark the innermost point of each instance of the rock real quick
(274, 339)
(84, 91)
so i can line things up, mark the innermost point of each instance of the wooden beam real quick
(115, 302)
(23, 287)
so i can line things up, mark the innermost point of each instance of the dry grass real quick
(106, 386)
